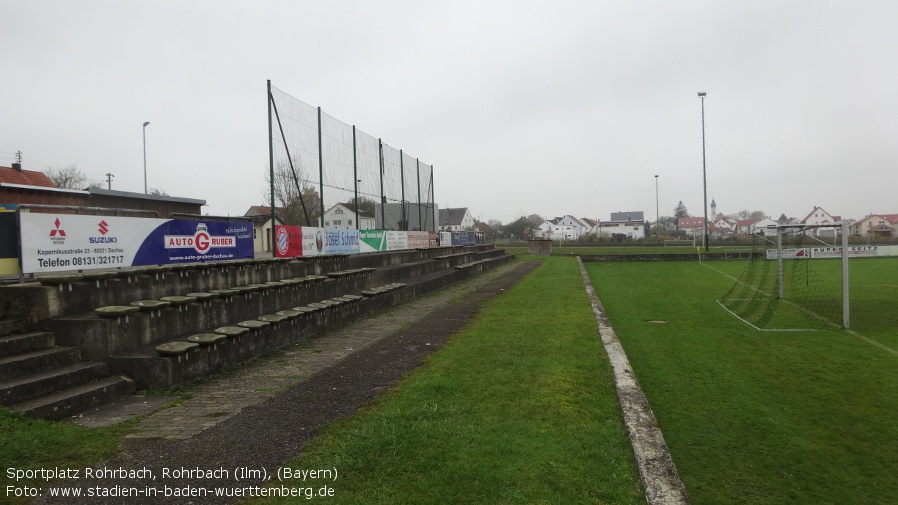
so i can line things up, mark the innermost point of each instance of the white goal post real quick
(843, 227)
(680, 243)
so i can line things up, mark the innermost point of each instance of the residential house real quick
(744, 226)
(818, 216)
(879, 225)
(694, 226)
(723, 226)
(629, 224)
(765, 227)
(343, 215)
(564, 228)
(458, 219)
(263, 227)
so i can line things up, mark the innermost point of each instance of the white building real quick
(820, 216)
(343, 215)
(564, 228)
(629, 224)
(459, 219)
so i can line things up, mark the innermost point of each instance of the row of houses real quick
(622, 225)
(872, 225)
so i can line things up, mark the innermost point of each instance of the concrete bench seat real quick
(260, 286)
(150, 305)
(373, 291)
(176, 348)
(178, 300)
(206, 339)
(318, 305)
(275, 284)
(253, 324)
(353, 297)
(289, 314)
(232, 331)
(273, 318)
(343, 299)
(115, 311)
(225, 292)
(331, 302)
(60, 280)
(307, 309)
(204, 295)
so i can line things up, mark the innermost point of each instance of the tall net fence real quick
(317, 162)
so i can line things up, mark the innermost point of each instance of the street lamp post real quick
(145, 124)
(657, 212)
(702, 95)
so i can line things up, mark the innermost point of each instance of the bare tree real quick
(67, 177)
(297, 201)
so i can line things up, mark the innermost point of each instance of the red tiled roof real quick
(25, 177)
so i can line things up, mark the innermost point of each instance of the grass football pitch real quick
(763, 417)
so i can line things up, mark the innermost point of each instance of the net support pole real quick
(779, 262)
(845, 319)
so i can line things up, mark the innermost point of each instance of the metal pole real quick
(418, 173)
(270, 99)
(403, 217)
(845, 315)
(320, 172)
(657, 211)
(702, 94)
(383, 199)
(145, 156)
(355, 177)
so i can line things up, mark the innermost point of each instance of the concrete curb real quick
(656, 468)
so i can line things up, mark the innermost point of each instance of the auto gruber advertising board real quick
(59, 242)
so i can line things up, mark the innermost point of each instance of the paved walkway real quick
(220, 398)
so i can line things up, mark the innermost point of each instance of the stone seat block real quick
(232, 331)
(116, 311)
(253, 324)
(225, 293)
(150, 305)
(353, 297)
(306, 310)
(317, 305)
(273, 318)
(205, 339)
(290, 314)
(53, 280)
(203, 296)
(178, 300)
(175, 348)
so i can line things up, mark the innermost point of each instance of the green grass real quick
(761, 417)
(518, 408)
(33, 444)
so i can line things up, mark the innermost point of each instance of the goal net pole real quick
(845, 319)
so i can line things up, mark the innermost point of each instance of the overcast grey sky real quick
(562, 107)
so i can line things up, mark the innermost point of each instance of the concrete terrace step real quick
(29, 387)
(25, 342)
(10, 326)
(69, 402)
(36, 361)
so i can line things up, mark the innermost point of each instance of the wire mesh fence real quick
(317, 162)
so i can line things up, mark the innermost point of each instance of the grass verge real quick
(519, 407)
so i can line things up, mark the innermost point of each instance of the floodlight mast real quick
(702, 95)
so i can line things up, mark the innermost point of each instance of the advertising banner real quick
(372, 240)
(9, 250)
(864, 251)
(52, 243)
(463, 238)
(419, 239)
(341, 241)
(445, 238)
(288, 241)
(397, 240)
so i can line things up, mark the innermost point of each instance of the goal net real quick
(796, 279)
